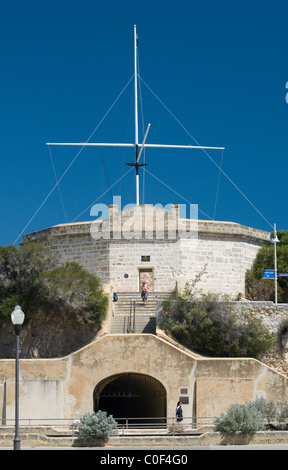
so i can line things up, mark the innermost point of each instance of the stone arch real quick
(131, 395)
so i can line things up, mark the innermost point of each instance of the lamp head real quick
(275, 239)
(17, 316)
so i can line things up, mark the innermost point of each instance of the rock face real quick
(55, 335)
(275, 318)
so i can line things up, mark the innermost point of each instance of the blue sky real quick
(219, 67)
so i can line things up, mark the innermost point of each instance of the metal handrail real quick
(132, 317)
(168, 424)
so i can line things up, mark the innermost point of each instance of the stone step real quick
(145, 314)
(140, 308)
(143, 324)
(137, 294)
(125, 298)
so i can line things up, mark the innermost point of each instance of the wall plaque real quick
(185, 400)
(145, 258)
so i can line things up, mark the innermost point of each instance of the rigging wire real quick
(103, 194)
(105, 170)
(217, 192)
(207, 154)
(73, 161)
(171, 189)
(58, 186)
(221, 171)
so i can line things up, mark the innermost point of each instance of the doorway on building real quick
(140, 397)
(146, 275)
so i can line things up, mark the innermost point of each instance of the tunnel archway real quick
(131, 395)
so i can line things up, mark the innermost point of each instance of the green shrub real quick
(97, 426)
(211, 327)
(283, 413)
(32, 278)
(73, 290)
(258, 288)
(251, 417)
(244, 419)
(21, 278)
(7, 305)
(267, 408)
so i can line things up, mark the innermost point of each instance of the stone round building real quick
(152, 244)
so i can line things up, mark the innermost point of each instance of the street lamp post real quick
(17, 318)
(275, 240)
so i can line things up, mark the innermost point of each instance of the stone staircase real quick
(130, 315)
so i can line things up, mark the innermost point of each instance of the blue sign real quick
(268, 274)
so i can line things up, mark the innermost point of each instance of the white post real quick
(136, 114)
(135, 85)
(137, 189)
(275, 241)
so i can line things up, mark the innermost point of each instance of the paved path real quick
(158, 450)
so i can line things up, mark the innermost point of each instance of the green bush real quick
(258, 288)
(211, 327)
(267, 408)
(21, 278)
(283, 413)
(252, 417)
(97, 426)
(32, 278)
(240, 419)
(73, 290)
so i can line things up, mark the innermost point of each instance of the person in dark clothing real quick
(179, 412)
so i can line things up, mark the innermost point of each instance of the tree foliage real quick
(21, 277)
(258, 288)
(211, 327)
(70, 288)
(30, 277)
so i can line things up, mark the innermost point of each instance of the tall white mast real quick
(136, 113)
(136, 144)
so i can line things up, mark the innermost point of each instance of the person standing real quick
(179, 412)
(144, 292)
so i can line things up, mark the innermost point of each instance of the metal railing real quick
(139, 425)
(56, 423)
(165, 424)
(132, 317)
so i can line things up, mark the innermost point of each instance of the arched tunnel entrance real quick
(131, 395)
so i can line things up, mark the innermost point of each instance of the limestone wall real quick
(63, 388)
(272, 314)
(226, 250)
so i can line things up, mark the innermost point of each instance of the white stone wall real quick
(92, 255)
(125, 258)
(226, 250)
(225, 263)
